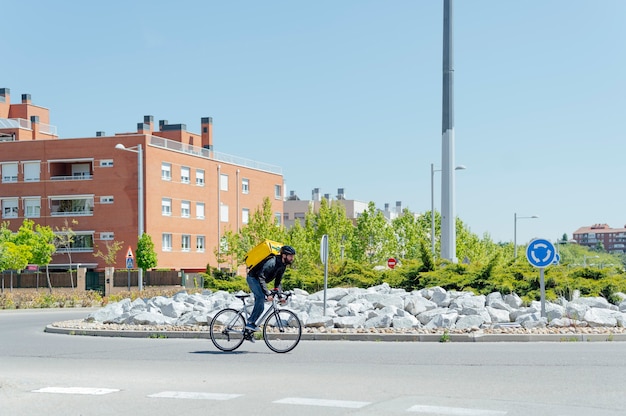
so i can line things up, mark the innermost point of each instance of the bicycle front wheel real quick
(227, 329)
(282, 331)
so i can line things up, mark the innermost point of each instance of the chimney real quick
(100, 134)
(398, 207)
(5, 95)
(149, 120)
(162, 123)
(327, 197)
(34, 123)
(387, 207)
(340, 194)
(143, 128)
(315, 194)
(25, 98)
(206, 137)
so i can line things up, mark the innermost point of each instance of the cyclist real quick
(258, 277)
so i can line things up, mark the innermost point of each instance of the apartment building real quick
(295, 209)
(190, 194)
(613, 239)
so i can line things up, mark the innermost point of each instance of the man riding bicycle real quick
(258, 277)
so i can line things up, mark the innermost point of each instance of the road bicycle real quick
(282, 329)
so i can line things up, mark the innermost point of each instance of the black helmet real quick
(287, 250)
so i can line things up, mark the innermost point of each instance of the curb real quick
(472, 337)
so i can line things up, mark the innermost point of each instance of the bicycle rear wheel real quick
(227, 329)
(282, 331)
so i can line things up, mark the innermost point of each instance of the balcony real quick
(71, 207)
(71, 169)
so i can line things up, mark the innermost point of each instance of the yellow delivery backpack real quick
(261, 252)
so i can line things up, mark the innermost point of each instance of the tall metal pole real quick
(515, 235)
(140, 202)
(432, 208)
(448, 228)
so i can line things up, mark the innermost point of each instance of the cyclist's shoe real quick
(249, 336)
(252, 327)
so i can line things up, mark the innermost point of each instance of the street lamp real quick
(432, 203)
(515, 218)
(588, 257)
(137, 149)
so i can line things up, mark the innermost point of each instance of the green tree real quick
(261, 226)
(109, 257)
(63, 242)
(373, 240)
(40, 240)
(409, 232)
(146, 256)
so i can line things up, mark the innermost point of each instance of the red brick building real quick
(192, 194)
(612, 239)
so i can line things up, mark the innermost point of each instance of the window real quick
(32, 171)
(166, 171)
(81, 170)
(76, 243)
(9, 172)
(277, 218)
(166, 242)
(245, 215)
(223, 182)
(224, 213)
(185, 209)
(32, 207)
(76, 205)
(278, 193)
(107, 236)
(106, 199)
(166, 206)
(200, 243)
(200, 210)
(185, 174)
(200, 177)
(106, 163)
(9, 208)
(245, 186)
(185, 242)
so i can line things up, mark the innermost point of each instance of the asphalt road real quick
(56, 374)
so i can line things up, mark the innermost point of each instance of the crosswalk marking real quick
(453, 411)
(194, 395)
(322, 402)
(76, 390)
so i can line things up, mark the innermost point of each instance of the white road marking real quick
(322, 402)
(76, 390)
(454, 411)
(194, 395)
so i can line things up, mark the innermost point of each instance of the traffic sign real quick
(129, 254)
(540, 252)
(129, 263)
(391, 263)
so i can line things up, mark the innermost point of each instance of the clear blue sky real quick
(347, 94)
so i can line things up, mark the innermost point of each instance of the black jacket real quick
(268, 270)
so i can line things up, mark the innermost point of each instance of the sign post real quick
(129, 263)
(324, 258)
(541, 253)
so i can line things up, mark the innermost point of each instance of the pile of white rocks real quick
(379, 307)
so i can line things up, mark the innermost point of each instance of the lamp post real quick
(137, 149)
(588, 257)
(515, 218)
(432, 203)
